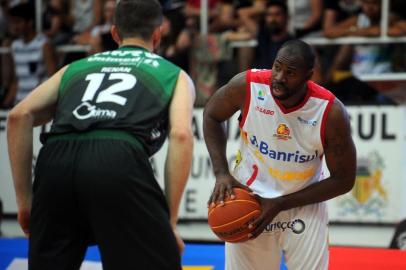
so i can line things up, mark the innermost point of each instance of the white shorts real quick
(300, 233)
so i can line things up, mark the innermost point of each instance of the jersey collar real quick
(132, 47)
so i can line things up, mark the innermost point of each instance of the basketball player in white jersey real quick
(288, 124)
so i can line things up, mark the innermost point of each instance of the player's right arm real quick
(36, 109)
(222, 105)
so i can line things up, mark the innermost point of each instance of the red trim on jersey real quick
(297, 107)
(253, 176)
(261, 76)
(322, 93)
(319, 91)
(324, 119)
(247, 97)
(313, 90)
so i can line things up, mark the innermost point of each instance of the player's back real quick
(127, 89)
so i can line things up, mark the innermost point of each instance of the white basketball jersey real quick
(281, 149)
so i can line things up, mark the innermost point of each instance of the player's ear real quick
(309, 74)
(115, 35)
(156, 37)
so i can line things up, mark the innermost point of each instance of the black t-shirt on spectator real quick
(267, 49)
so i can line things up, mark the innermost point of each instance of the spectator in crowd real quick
(307, 16)
(192, 11)
(250, 13)
(84, 15)
(174, 45)
(366, 58)
(271, 33)
(398, 7)
(100, 38)
(398, 29)
(55, 22)
(210, 56)
(336, 11)
(225, 19)
(3, 19)
(174, 12)
(361, 58)
(32, 58)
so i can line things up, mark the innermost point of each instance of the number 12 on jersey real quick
(125, 82)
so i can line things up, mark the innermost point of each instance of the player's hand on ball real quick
(224, 188)
(270, 208)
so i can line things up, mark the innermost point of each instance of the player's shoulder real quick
(162, 61)
(259, 75)
(320, 92)
(337, 113)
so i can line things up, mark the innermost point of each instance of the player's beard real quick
(280, 91)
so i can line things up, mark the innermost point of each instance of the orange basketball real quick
(230, 222)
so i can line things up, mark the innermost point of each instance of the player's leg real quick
(56, 241)
(305, 239)
(260, 253)
(127, 209)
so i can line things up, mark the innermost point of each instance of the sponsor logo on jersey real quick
(307, 122)
(264, 111)
(282, 132)
(291, 175)
(244, 136)
(261, 95)
(86, 110)
(155, 134)
(133, 57)
(296, 157)
(297, 226)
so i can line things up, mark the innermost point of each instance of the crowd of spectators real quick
(209, 59)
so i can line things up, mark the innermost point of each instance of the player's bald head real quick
(300, 51)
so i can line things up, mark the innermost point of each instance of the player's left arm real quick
(180, 147)
(340, 155)
(36, 109)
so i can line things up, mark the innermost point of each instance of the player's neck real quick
(137, 42)
(296, 99)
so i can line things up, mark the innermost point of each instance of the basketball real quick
(230, 221)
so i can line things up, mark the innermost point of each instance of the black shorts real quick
(99, 191)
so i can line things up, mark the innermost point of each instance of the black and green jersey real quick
(128, 89)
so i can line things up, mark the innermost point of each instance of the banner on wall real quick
(379, 194)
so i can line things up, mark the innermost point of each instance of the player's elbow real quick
(181, 135)
(347, 183)
(18, 115)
